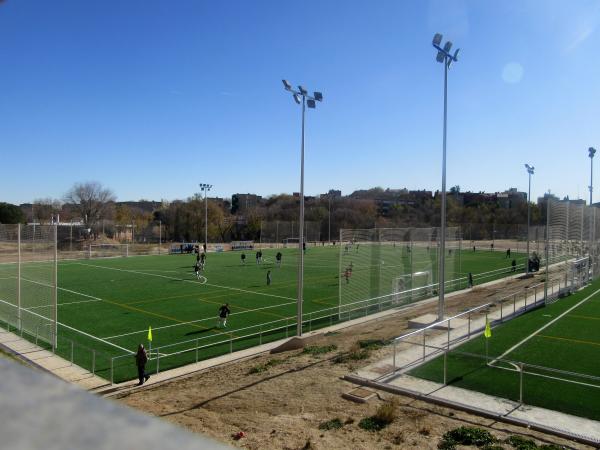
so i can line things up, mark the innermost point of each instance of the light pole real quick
(205, 187)
(329, 220)
(530, 170)
(443, 56)
(591, 153)
(311, 102)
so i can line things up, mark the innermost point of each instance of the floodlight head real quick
(310, 103)
(297, 98)
(447, 46)
(302, 90)
(529, 169)
(318, 96)
(287, 85)
(437, 39)
(455, 57)
(592, 151)
(440, 57)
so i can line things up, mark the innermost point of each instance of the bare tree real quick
(91, 200)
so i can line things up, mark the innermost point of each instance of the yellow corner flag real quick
(150, 334)
(488, 330)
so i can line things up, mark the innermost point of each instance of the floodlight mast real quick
(530, 170)
(591, 153)
(443, 56)
(205, 187)
(311, 101)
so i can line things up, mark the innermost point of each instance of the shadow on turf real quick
(200, 331)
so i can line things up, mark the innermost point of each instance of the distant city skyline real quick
(151, 98)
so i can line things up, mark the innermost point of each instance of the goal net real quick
(384, 266)
(28, 280)
(242, 245)
(417, 284)
(107, 250)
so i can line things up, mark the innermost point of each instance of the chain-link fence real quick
(28, 279)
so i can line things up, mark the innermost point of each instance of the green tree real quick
(10, 213)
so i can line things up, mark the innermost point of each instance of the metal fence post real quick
(424, 345)
(521, 383)
(394, 355)
(445, 365)
(469, 325)
(197, 344)
(448, 338)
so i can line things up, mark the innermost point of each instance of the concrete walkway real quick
(49, 362)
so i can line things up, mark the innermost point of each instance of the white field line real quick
(548, 376)
(544, 327)
(93, 299)
(76, 330)
(189, 281)
(198, 320)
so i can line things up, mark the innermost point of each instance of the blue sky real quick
(152, 97)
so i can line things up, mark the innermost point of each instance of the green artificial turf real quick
(568, 343)
(106, 305)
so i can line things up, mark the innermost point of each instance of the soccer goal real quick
(411, 286)
(291, 242)
(108, 250)
(242, 245)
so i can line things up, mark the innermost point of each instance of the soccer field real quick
(105, 306)
(558, 345)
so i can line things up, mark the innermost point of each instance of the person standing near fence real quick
(470, 280)
(141, 358)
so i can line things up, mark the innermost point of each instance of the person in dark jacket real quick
(141, 358)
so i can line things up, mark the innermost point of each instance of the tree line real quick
(95, 208)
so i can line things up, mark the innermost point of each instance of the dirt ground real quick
(282, 406)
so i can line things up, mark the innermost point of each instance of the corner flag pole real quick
(488, 334)
(150, 340)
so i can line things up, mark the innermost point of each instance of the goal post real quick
(107, 250)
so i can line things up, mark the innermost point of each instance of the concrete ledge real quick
(501, 417)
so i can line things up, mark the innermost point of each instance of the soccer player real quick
(470, 281)
(202, 260)
(268, 278)
(513, 265)
(278, 259)
(508, 253)
(243, 258)
(197, 269)
(224, 312)
(304, 247)
(258, 257)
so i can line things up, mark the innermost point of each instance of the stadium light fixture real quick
(443, 56)
(530, 170)
(205, 187)
(301, 97)
(591, 153)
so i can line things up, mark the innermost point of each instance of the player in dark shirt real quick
(224, 312)
(278, 259)
(243, 258)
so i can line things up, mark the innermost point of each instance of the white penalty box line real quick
(73, 329)
(514, 347)
(188, 281)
